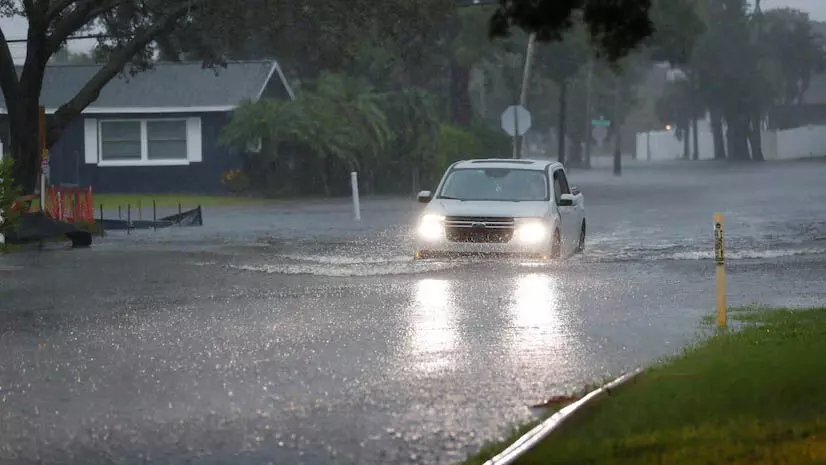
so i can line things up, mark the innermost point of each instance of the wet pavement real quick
(292, 334)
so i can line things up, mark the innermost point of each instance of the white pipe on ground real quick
(354, 184)
(541, 431)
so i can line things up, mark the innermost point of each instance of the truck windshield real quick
(496, 184)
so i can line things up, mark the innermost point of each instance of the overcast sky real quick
(815, 8)
(16, 29)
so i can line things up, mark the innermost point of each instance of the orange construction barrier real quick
(70, 204)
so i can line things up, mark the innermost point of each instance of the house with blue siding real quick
(157, 131)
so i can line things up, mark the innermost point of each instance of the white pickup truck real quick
(502, 206)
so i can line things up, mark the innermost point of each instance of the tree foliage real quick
(795, 49)
(342, 121)
(8, 195)
(340, 118)
(677, 27)
(616, 26)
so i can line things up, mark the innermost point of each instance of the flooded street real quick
(290, 333)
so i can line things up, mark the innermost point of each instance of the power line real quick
(89, 36)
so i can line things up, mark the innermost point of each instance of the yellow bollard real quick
(720, 259)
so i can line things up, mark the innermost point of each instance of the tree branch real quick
(82, 15)
(56, 8)
(8, 75)
(29, 9)
(116, 63)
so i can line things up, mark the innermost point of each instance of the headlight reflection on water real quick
(433, 329)
(538, 324)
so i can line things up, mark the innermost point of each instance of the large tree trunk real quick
(737, 136)
(617, 131)
(687, 142)
(756, 138)
(576, 154)
(460, 94)
(696, 137)
(618, 152)
(23, 106)
(24, 145)
(717, 135)
(415, 176)
(563, 117)
(325, 177)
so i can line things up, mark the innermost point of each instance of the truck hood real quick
(488, 208)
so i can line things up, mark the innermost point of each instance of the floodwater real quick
(292, 334)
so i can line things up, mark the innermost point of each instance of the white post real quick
(354, 183)
(42, 191)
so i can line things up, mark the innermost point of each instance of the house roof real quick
(166, 88)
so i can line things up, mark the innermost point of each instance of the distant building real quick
(156, 132)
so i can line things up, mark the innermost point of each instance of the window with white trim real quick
(133, 142)
(166, 140)
(121, 140)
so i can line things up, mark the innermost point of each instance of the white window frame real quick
(254, 146)
(145, 161)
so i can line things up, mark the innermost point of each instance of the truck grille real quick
(479, 229)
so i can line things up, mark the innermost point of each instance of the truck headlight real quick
(431, 227)
(531, 232)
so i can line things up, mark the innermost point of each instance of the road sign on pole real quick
(516, 120)
(599, 133)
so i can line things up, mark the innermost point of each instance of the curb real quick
(541, 431)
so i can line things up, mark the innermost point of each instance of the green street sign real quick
(600, 122)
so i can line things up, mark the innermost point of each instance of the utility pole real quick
(523, 97)
(587, 160)
(618, 128)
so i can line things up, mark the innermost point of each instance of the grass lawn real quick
(111, 201)
(755, 395)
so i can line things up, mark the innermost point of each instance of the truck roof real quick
(511, 163)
